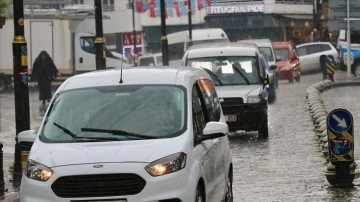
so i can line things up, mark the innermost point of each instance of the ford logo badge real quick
(98, 166)
(221, 99)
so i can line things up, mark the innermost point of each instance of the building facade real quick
(278, 20)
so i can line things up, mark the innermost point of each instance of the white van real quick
(179, 41)
(159, 135)
(240, 80)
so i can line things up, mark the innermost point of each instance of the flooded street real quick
(289, 166)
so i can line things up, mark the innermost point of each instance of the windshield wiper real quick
(130, 135)
(213, 75)
(67, 131)
(241, 74)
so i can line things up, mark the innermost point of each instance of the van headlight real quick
(37, 171)
(166, 165)
(253, 99)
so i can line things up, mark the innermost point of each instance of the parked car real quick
(157, 135)
(309, 55)
(288, 62)
(267, 49)
(241, 82)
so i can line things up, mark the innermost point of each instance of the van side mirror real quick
(213, 130)
(273, 67)
(27, 136)
(270, 79)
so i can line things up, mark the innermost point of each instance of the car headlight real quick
(37, 171)
(253, 99)
(166, 165)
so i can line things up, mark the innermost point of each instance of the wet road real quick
(289, 166)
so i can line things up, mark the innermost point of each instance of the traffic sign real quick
(340, 120)
(340, 136)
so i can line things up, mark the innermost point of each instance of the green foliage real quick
(4, 5)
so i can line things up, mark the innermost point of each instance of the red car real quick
(287, 61)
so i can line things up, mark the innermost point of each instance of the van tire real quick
(3, 83)
(263, 131)
(357, 70)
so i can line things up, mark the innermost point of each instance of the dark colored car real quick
(288, 62)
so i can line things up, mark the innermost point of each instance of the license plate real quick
(230, 118)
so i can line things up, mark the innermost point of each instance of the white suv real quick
(309, 55)
(146, 134)
(241, 82)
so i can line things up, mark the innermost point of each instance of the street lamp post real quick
(21, 85)
(190, 23)
(134, 31)
(99, 39)
(165, 50)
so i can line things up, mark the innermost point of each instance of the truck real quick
(72, 52)
(354, 51)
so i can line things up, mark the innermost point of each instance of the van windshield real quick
(229, 70)
(132, 112)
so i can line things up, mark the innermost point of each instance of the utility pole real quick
(165, 48)
(21, 85)
(134, 32)
(99, 40)
(190, 23)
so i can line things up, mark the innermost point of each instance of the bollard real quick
(2, 183)
(341, 172)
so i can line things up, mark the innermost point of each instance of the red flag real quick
(152, 9)
(139, 8)
(177, 8)
(200, 4)
(208, 2)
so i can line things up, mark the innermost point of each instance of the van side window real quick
(212, 103)
(199, 120)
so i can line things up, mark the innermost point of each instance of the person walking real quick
(44, 72)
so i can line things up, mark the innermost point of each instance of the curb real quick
(318, 112)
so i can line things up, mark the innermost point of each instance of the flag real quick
(138, 4)
(193, 7)
(208, 2)
(204, 4)
(183, 8)
(177, 8)
(214, 1)
(157, 8)
(152, 9)
(169, 8)
(200, 4)
(145, 5)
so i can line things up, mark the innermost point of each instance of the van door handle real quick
(81, 60)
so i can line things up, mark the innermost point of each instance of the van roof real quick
(226, 49)
(197, 34)
(258, 42)
(132, 76)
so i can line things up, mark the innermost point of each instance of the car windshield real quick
(116, 113)
(232, 70)
(282, 53)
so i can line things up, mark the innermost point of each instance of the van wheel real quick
(357, 70)
(263, 131)
(291, 79)
(200, 194)
(3, 83)
(229, 196)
